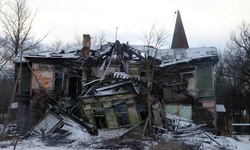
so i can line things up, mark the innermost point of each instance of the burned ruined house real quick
(100, 85)
(186, 76)
(45, 74)
(105, 86)
(113, 91)
(185, 79)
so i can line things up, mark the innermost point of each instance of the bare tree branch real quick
(98, 39)
(235, 70)
(17, 20)
(154, 40)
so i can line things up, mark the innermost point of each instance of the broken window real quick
(143, 74)
(58, 81)
(185, 76)
(188, 78)
(121, 113)
(141, 108)
(61, 80)
(73, 86)
(99, 119)
(99, 116)
(58, 78)
(26, 82)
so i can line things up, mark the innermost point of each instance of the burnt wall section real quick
(22, 114)
(30, 110)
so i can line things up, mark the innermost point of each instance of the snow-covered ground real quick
(221, 142)
(77, 140)
(243, 142)
(109, 139)
(81, 140)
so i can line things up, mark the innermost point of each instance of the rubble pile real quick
(182, 129)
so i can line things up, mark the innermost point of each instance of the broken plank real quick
(187, 134)
(212, 138)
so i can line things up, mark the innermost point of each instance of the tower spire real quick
(179, 37)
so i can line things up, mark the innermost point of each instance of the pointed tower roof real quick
(179, 37)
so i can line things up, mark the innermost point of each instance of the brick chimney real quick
(86, 45)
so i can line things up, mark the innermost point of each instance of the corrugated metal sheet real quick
(175, 56)
(220, 108)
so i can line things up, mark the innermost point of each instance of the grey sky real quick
(206, 22)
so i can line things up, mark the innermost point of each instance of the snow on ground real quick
(239, 142)
(85, 141)
(226, 142)
(243, 142)
(107, 139)
(77, 140)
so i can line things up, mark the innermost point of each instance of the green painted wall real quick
(205, 81)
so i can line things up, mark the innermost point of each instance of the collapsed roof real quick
(167, 57)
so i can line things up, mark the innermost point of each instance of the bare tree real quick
(237, 54)
(234, 73)
(98, 39)
(154, 40)
(57, 45)
(17, 20)
(1, 5)
(78, 39)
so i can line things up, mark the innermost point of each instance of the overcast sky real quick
(206, 22)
